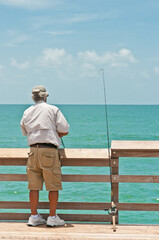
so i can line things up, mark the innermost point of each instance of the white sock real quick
(34, 216)
(53, 217)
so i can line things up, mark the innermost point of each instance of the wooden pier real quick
(9, 229)
(71, 231)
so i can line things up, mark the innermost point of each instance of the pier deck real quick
(12, 230)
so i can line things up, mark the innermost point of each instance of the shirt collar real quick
(41, 101)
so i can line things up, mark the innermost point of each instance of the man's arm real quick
(62, 134)
(23, 126)
(62, 127)
(23, 130)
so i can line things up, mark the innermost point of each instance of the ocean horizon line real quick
(83, 104)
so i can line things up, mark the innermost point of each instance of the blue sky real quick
(62, 44)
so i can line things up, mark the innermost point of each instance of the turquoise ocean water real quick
(88, 130)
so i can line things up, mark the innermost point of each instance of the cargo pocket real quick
(30, 163)
(60, 160)
(47, 159)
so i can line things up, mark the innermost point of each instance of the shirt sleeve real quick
(61, 123)
(23, 126)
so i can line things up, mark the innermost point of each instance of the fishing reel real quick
(113, 210)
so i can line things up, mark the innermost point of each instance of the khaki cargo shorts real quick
(44, 166)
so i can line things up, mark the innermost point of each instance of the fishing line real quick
(107, 127)
(113, 210)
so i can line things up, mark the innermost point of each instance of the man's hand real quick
(62, 134)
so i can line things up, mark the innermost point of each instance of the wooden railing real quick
(135, 149)
(89, 158)
(69, 157)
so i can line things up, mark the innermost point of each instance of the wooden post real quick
(115, 186)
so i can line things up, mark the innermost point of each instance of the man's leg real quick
(53, 199)
(34, 199)
(53, 219)
(35, 219)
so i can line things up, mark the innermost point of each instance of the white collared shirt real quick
(41, 122)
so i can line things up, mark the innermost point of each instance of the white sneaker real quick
(36, 221)
(54, 222)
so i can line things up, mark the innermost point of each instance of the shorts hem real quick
(53, 190)
(36, 189)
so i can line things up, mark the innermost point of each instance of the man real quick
(44, 125)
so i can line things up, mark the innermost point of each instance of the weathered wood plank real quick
(13, 177)
(84, 153)
(14, 153)
(65, 162)
(135, 149)
(22, 153)
(135, 178)
(85, 178)
(65, 178)
(69, 157)
(61, 205)
(13, 161)
(19, 205)
(83, 206)
(135, 145)
(90, 178)
(138, 206)
(76, 231)
(136, 153)
(66, 217)
(83, 162)
(86, 217)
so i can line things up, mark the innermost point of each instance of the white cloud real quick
(126, 54)
(89, 56)
(58, 56)
(42, 21)
(119, 65)
(55, 57)
(30, 4)
(156, 69)
(57, 33)
(83, 18)
(85, 63)
(22, 66)
(121, 59)
(88, 17)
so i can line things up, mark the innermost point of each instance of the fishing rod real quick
(113, 210)
(62, 143)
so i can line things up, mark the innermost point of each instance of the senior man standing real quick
(44, 125)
